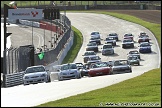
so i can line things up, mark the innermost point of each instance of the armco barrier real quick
(36, 24)
(29, 23)
(48, 26)
(41, 25)
(14, 79)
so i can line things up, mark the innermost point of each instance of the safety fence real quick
(14, 79)
(15, 57)
(18, 59)
(12, 55)
(51, 55)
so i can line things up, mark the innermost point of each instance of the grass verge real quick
(77, 43)
(144, 90)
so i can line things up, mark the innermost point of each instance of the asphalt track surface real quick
(22, 35)
(36, 94)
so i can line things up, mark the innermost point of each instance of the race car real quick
(93, 59)
(145, 47)
(121, 66)
(84, 70)
(133, 60)
(92, 47)
(134, 53)
(36, 74)
(99, 68)
(111, 40)
(115, 35)
(87, 54)
(68, 71)
(143, 38)
(95, 39)
(95, 34)
(128, 36)
(107, 49)
(127, 43)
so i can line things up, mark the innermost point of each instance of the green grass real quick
(77, 43)
(145, 88)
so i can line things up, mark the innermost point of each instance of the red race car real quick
(143, 38)
(99, 68)
(128, 36)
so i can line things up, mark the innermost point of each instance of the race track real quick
(36, 94)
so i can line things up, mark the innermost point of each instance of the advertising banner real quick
(25, 13)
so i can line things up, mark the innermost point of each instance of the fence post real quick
(13, 64)
(4, 68)
(16, 59)
(8, 59)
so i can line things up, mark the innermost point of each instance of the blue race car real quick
(145, 47)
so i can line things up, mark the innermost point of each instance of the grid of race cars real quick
(92, 64)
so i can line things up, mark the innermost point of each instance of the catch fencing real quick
(18, 59)
(14, 79)
(51, 55)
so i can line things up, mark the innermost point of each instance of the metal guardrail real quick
(14, 79)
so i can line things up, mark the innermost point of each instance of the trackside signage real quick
(25, 13)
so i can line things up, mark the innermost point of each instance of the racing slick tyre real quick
(80, 76)
(111, 73)
(59, 79)
(99, 43)
(89, 75)
(49, 80)
(123, 46)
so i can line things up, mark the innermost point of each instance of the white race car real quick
(134, 53)
(69, 71)
(96, 34)
(107, 49)
(36, 74)
(93, 59)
